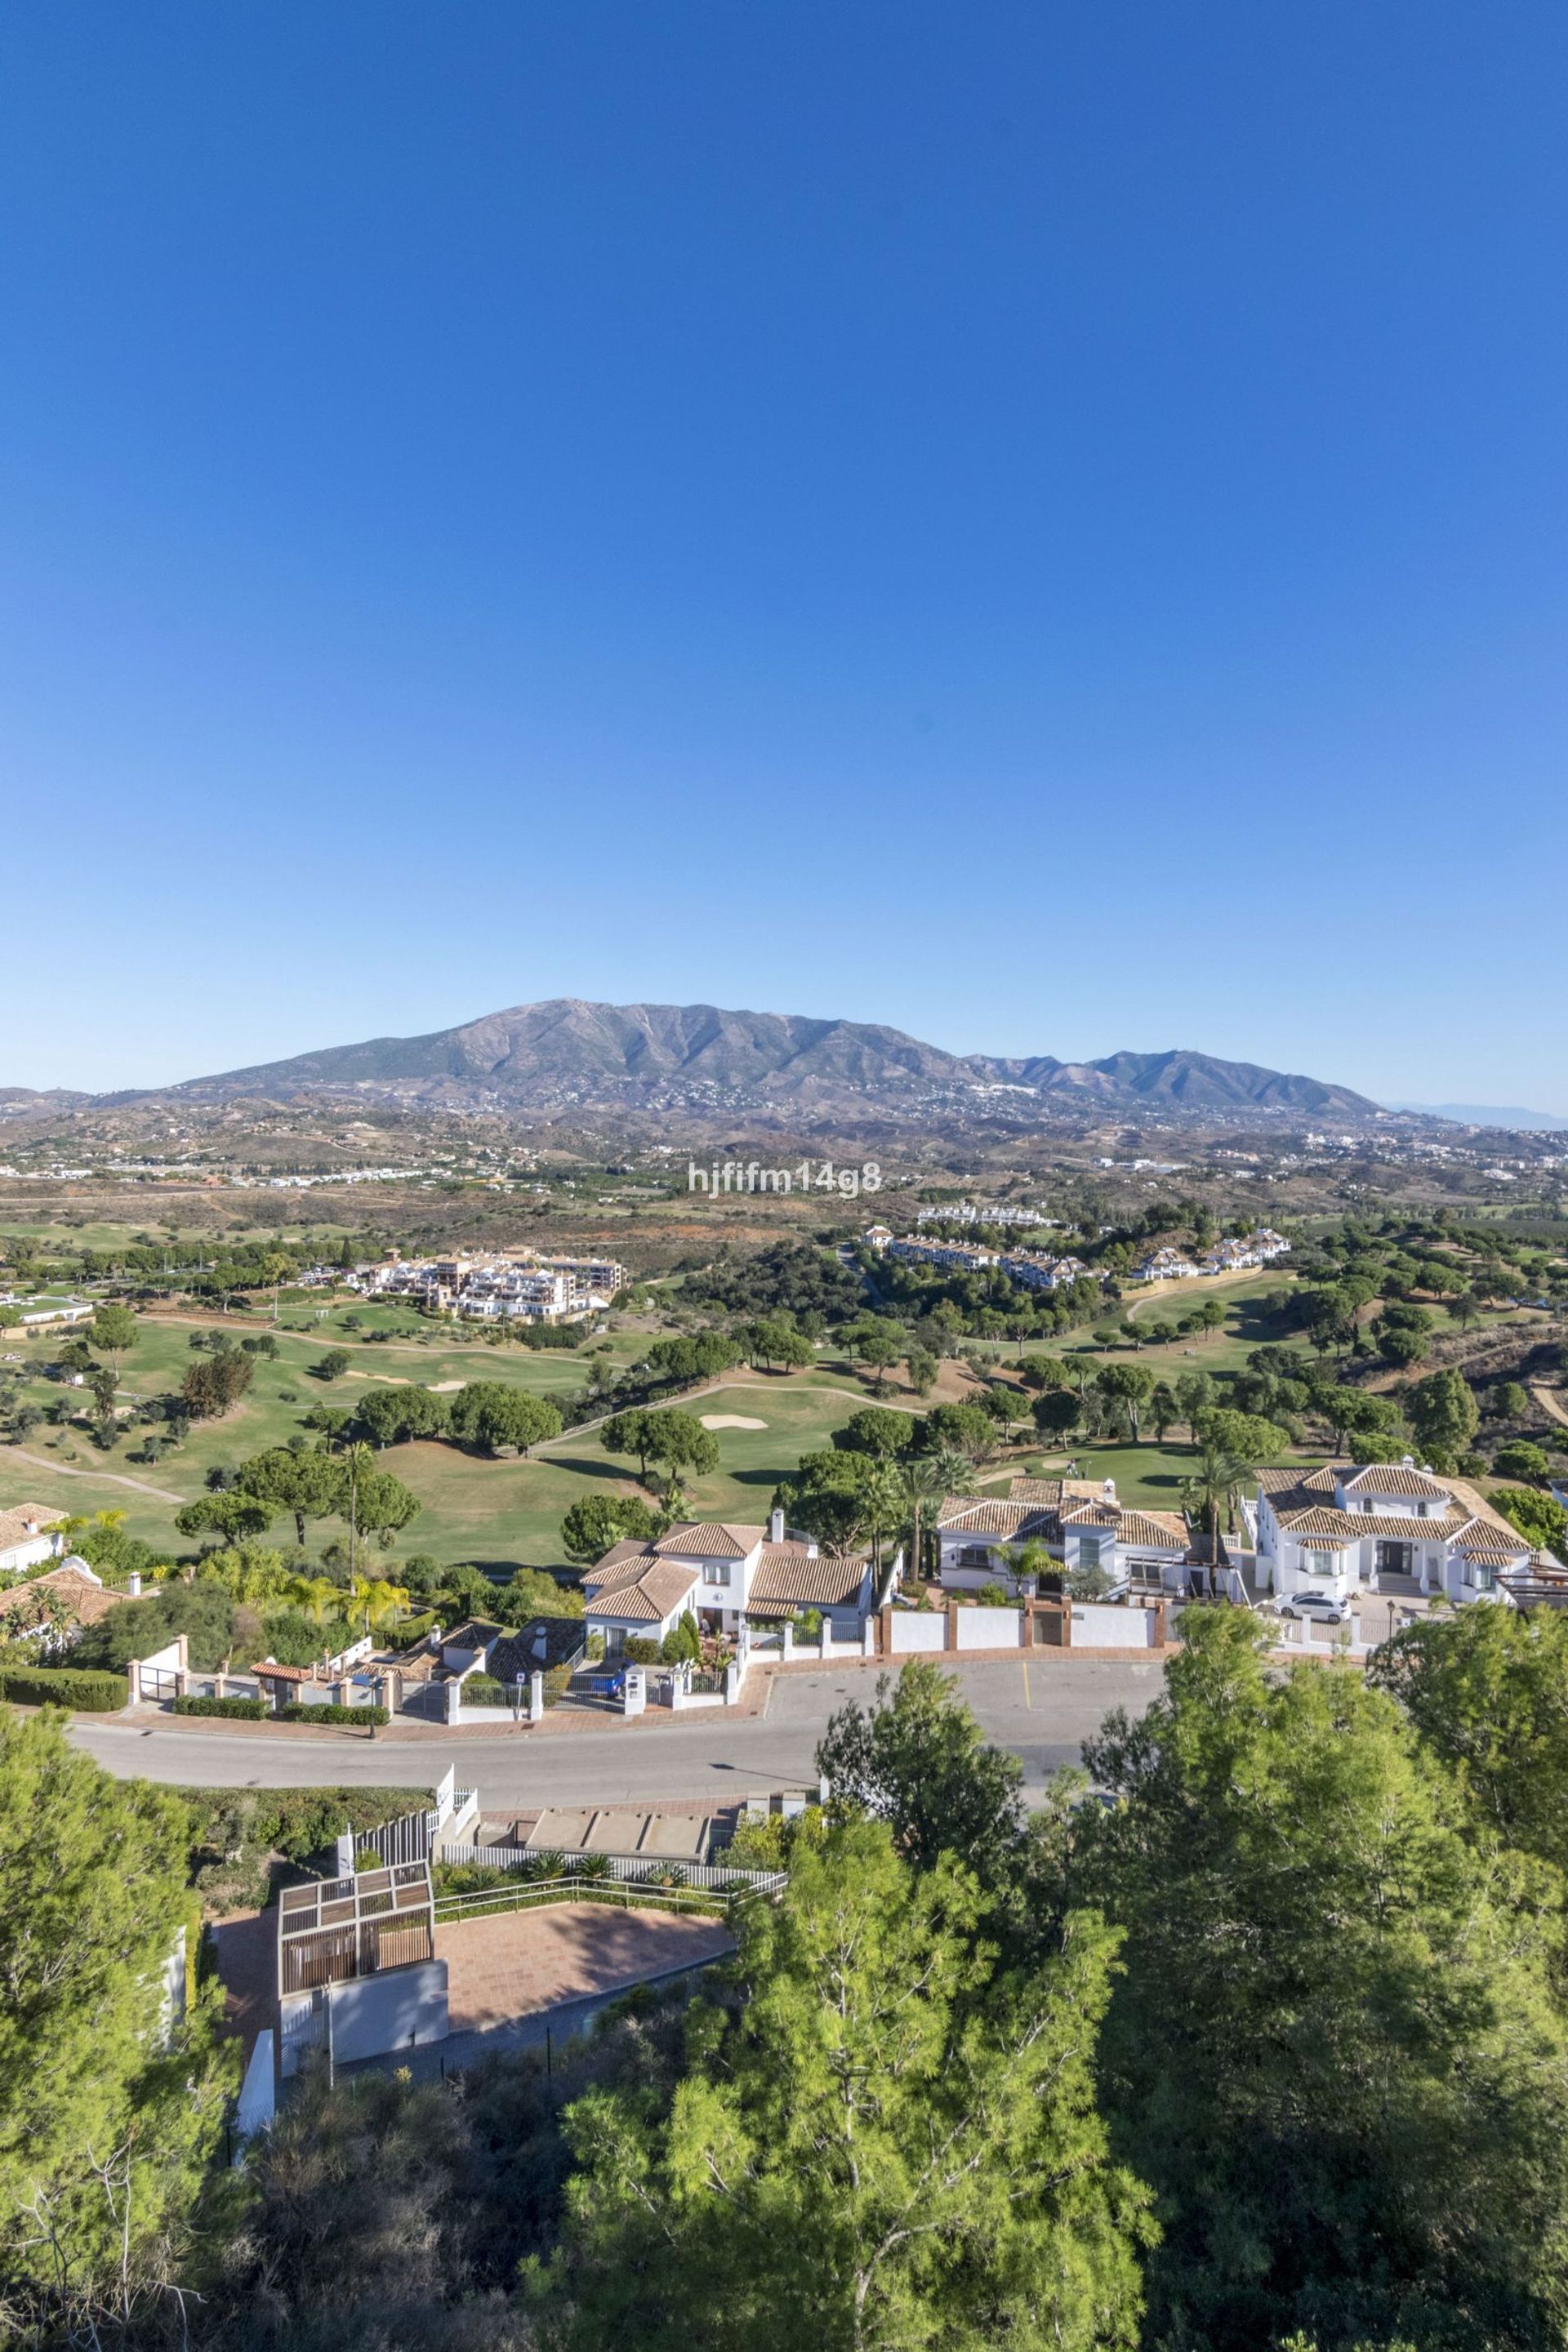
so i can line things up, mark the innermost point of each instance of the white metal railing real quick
(634, 1870)
(529, 1893)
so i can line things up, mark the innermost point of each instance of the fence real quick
(414, 1837)
(531, 1893)
(700, 1876)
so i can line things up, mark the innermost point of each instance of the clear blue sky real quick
(1040, 524)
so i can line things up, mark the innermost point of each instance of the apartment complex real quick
(517, 1285)
(1032, 1268)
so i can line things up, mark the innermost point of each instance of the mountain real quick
(569, 1057)
(1489, 1115)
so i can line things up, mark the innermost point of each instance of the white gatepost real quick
(447, 1788)
(536, 1696)
(634, 1691)
(452, 1693)
(733, 1678)
(788, 1651)
(344, 1860)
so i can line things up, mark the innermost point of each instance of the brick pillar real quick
(134, 1681)
(1066, 1621)
(1026, 1626)
(1158, 1625)
(885, 1631)
(950, 1641)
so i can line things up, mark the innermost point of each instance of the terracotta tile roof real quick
(1049, 1492)
(268, 1670)
(987, 1516)
(789, 1574)
(22, 1521)
(626, 1564)
(83, 1596)
(710, 1540)
(1158, 1530)
(1321, 1518)
(646, 1599)
(1393, 1478)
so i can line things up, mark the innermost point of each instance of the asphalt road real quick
(1043, 1712)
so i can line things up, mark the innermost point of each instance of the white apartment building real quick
(1028, 1267)
(511, 1285)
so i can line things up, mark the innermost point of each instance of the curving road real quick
(1043, 1712)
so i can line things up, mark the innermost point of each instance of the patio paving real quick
(513, 1965)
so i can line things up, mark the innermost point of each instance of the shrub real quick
(62, 1686)
(483, 1690)
(333, 1712)
(235, 1710)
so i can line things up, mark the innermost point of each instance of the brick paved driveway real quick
(516, 1963)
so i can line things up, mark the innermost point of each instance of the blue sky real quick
(1042, 525)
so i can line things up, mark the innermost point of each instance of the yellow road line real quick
(1028, 1701)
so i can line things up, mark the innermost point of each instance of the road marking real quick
(1028, 1701)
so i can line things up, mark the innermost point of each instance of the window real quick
(1089, 1551)
(1481, 1576)
(718, 1571)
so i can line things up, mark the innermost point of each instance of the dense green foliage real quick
(233, 1710)
(72, 1687)
(112, 2103)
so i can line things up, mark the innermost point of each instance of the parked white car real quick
(1322, 1608)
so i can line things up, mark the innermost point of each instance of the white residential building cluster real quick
(1034, 1270)
(517, 1285)
(1169, 1264)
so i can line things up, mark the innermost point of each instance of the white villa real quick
(29, 1532)
(1079, 1520)
(725, 1575)
(1391, 1527)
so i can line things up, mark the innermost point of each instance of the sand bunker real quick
(731, 1421)
(444, 1388)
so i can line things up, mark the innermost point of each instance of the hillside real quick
(568, 1057)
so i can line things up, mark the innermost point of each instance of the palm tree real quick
(1216, 1483)
(923, 1478)
(356, 1460)
(378, 1600)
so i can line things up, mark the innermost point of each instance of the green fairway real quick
(474, 1508)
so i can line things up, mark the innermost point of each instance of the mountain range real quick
(568, 1057)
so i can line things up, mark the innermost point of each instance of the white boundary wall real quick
(988, 1629)
(918, 1633)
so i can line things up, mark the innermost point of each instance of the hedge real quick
(235, 1710)
(334, 1714)
(63, 1687)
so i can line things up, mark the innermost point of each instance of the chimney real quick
(776, 1527)
(1110, 1490)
